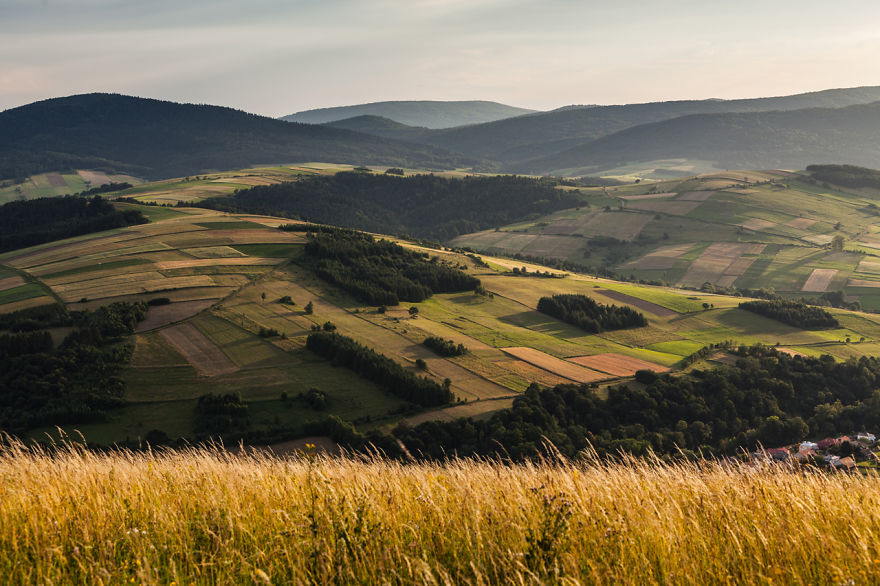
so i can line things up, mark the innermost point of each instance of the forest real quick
(35, 221)
(423, 206)
(380, 369)
(77, 382)
(793, 313)
(845, 175)
(767, 398)
(379, 272)
(590, 316)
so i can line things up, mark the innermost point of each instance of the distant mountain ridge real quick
(426, 113)
(544, 133)
(157, 139)
(775, 139)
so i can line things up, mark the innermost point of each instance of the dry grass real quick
(215, 518)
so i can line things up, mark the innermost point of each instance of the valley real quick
(224, 276)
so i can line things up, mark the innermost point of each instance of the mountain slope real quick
(542, 134)
(157, 139)
(780, 139)
(381, 126)
(427, 113)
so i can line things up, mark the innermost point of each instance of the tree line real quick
(35, 221)
(444, 347)
(846, 175)
(379, 272)
(793, 313)
(767, 398)
(590, 316)
(380, 369)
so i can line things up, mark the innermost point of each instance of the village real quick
(845, 453)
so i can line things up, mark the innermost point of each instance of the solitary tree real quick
(837, 243)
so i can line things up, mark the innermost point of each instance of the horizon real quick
(274, 58)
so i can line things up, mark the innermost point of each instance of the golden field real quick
(212, 517)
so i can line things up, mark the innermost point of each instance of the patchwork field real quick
(224, 275)
(694, 231)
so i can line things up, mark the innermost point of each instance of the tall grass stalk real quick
(211, 517)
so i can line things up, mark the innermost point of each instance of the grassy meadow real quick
(212, 517)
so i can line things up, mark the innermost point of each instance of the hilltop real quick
(425, 113)
(157, 139)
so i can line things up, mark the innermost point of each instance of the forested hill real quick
(758, 140)
(380, 126)
(420, 205)
(536, 135)
(158, 139)
(430, 114)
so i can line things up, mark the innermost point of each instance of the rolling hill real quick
(426, 113)
(239, 304)
(541, 134)
(777, 139)
(157, 139)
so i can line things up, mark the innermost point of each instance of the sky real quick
(276, 57)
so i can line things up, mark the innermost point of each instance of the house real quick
(867, 438)
(804, 455)
(826, 443)
(845, 464)
(781, 454)
(808, 446)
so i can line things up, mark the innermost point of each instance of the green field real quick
(792, 218)
(176, 257)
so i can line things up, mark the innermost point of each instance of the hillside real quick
(385, 127)
(236, 322)
(157, 139)
(541, 134)
(782, 139)
(425, 113)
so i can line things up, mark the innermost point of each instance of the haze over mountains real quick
(426, 113)
(157, 139)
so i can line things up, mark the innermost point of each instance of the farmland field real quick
(225, 276)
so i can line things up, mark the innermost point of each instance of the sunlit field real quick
(207, 516)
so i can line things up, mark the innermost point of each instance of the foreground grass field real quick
(210, 517)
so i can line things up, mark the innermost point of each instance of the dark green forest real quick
(793, 313)
(845, 175)
(157, 139)
(424, 206)
(379, 272)
(77, 382)
(590, 316)
(27, 223)
(767, 398)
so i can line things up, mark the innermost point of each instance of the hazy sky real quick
(276, 57)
